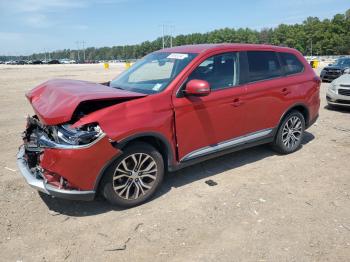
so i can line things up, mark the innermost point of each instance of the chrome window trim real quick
(227, 144)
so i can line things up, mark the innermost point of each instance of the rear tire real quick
(290, 133)
(134, 176)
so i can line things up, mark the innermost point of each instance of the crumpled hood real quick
(55, 101)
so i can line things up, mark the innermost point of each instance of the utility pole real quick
(77, 42)
(171, 34)
(83, 42)
(163, 36)
(171, 40)
(167, 37)
(311, 46)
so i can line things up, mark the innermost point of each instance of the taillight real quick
(317, 81)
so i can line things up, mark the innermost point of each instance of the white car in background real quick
(338, 92)
(67, 61)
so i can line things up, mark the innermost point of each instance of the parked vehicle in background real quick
(338, 92)
(171, 109)
(91, 62)
(67, 61)
(53, 62)
(333, 71)
(37, 62)
(21, 62)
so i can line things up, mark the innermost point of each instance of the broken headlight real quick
(65, 134)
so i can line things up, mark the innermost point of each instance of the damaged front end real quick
(63, 161)
(60, 136)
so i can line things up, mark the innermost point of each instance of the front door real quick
(205, 124)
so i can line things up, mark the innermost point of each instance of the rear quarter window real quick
(263, 65)
(291, 64)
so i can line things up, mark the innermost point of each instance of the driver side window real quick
(220, 71)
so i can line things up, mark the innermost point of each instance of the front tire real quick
(133, 177)
(290, 133)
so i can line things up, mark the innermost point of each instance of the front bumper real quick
(37, 182)
(333, 98)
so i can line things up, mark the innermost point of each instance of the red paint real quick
(187, 123)
(197, 88)
(79, 166)
(55, 101)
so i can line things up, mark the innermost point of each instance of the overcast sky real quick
(28, 26)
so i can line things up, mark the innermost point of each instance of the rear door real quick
(267, 91)
(204, 122)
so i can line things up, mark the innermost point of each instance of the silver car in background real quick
(338, 92)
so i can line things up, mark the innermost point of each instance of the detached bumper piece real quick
(36, 180)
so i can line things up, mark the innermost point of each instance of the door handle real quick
(286, 91)
(237, 102)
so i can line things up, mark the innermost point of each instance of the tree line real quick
(319, 37)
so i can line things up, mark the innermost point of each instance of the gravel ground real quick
(264, 207)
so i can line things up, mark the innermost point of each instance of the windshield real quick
(153, 73)
(342, 62)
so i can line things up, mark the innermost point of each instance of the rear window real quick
(263, 65)
(291, 64)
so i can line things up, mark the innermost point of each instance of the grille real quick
(343, 85)
(343, 102)
(333, 72)
(344, 92)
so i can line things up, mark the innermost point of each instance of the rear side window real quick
(291, 64)
(263, 65)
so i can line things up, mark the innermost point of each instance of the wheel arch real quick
(155, 139)
(302, 108)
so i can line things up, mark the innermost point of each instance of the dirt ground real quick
(265, 207)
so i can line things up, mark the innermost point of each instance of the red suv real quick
(173, 108)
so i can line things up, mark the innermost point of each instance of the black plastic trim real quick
(311, 122)
(197, 160)
(159, 136)
(296, 105)
(65, 194)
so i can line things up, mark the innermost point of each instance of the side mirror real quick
(197, 87)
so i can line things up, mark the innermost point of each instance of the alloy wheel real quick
(292, 132)
(134, 176)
